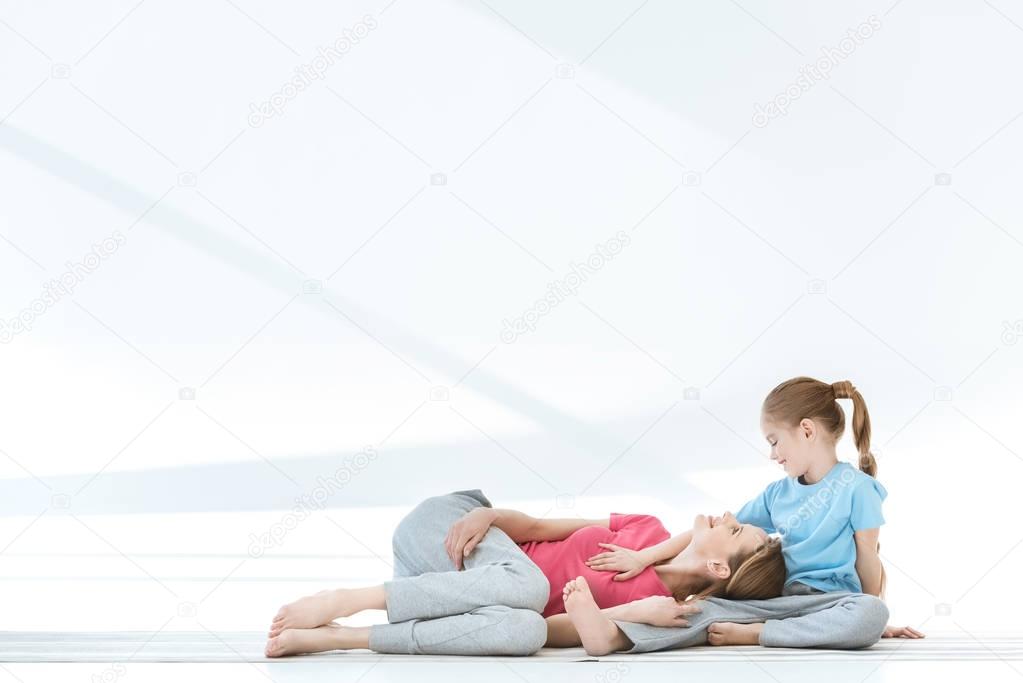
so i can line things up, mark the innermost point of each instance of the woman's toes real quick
(282, 621)
(282, 644)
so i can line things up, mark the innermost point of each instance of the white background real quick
(821, 244)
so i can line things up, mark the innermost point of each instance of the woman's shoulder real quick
(620, 519)
(620, 522)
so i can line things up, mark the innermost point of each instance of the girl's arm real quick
(868, 561)
(629, 562)
(665, 550)
(872, 576)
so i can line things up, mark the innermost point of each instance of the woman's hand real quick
(467, 532)
(617, 559)
(660, 610)
(901, 632)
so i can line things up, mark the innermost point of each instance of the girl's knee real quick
(871, 618)
(874, 613)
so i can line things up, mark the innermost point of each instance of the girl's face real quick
(790, 446)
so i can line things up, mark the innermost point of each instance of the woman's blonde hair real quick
(758, 576)
(805, 397)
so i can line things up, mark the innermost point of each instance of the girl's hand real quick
(660, 610)
(467, 532)
(617, 559)
(901, 632)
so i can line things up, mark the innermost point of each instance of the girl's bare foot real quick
(596, 631)
(727, 633)
(297, 641)
(325, 606)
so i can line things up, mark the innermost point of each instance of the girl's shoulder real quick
(772, 490)
(860, 482)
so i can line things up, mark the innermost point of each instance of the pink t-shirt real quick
(564, 560)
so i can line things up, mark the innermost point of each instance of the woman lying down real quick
(473, 580)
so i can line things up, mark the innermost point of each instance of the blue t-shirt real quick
(816, 523)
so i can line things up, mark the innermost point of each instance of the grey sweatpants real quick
(844, 621)
(493, 606)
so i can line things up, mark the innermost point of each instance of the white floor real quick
(193, 579)
(136, 647)
(523, 671)
(201, 656)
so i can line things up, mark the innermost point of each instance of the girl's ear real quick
(718, 570)
(807, 428)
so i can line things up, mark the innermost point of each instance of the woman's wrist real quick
(490, 514)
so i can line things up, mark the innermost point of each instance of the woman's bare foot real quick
(297, 641)
(596, 631)
(308, 612)
(727, 633)
(325, 606)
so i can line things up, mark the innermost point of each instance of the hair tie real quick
(843, 389)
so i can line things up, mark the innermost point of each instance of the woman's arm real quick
(868, 561)
(561, 633)
(521, 527)
(468, 531)
(657, 610)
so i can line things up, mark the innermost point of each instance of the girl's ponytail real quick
(860, 425)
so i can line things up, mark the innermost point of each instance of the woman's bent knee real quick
(527, 632)
(411, 525)
(532, 590)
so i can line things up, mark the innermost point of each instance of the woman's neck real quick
(680, 577)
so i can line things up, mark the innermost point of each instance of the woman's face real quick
(723, 537)
(789, 446)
